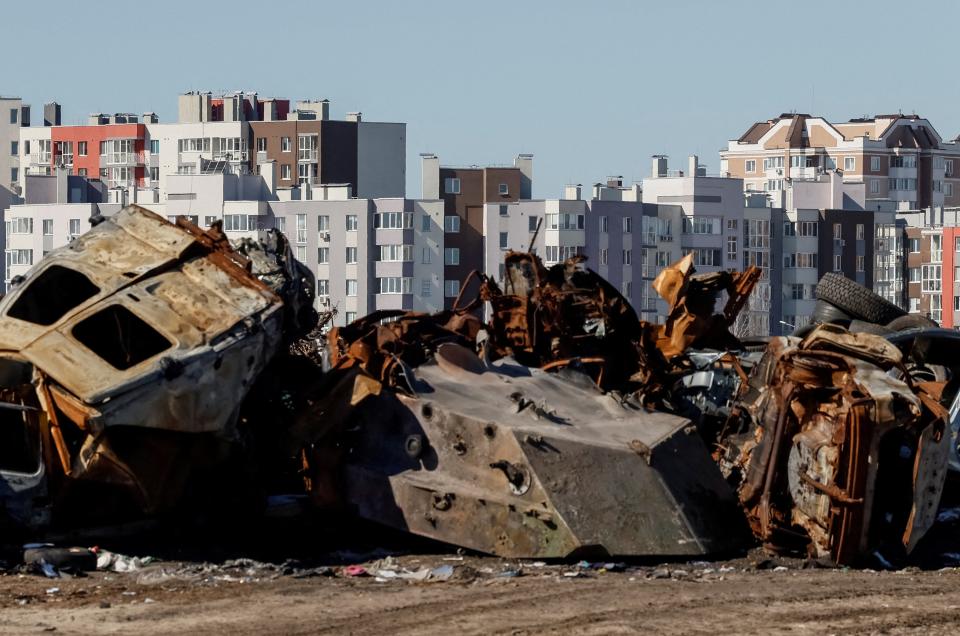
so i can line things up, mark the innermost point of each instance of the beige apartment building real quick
(900, 159)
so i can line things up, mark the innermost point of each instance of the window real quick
(82, 148)
(26, 147)
(261, 144)
(774, 184)
(564, 221)
(451, 255)
(532, 222)
(14, 148)
(914, 305)
(286, 172)
(451, 288)
(874, 185)
(956, 245)
(937, 185)
(323, 223)
(280, 223)
(504, 240)
(701, 225)
(830, 163)
(904, 161)
(604, 225)
(874, 164)
(323, 287)
(731, 224)
(352, 224)
(154, 174)
(393, 220)
(772, 162)
(849, 163)
(425, 287)
(19, 257)
(14, 175)
(13, 115)
(425, 223)
(504, 190)
(301, 253)
(301, 229)
(451, 185)
(860, 263)
(120, 337)
(837, 263)
(396, 253)
(603, 256)
(351, 287)
(208, 221)
(709, 257)
(627, 257)
(154, 146)
(627, 225)
(914, 245)
(948, 189)
(427, 256)
(51, 295)
(395, 285)
(948, 167)
(931, 278)
(83, 171)
(21, 225)
(451, 224)
(859, 231)
(307, 148)
(351, 255)
(284, 144)
(236, 223)
(48, 227)
(837, 231)
(732, 248)
(914, 275)
(323, 254)
(936, 249)
(800, 260)
(626, 289)
(557, 253)
(750, 165)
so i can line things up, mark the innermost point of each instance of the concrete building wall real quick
(381, 160)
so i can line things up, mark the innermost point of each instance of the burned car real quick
(125, 357)
(148, 354)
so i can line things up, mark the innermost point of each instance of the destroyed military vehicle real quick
(146, 352)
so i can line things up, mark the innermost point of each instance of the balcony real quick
(307, 156)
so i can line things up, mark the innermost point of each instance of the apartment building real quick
(464, 192)
(898, 158)
(237, 133)
(366, 254)
(14, 115)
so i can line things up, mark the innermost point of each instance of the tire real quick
(911, 321)
(856, 300)
(861, 326)
(825, 312)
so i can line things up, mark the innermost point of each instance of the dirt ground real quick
(486, 596)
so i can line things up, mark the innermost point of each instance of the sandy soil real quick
(701, 598)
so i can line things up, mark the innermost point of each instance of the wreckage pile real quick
(146, 356)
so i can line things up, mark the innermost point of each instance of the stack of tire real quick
(845, 302)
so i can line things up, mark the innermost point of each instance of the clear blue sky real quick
(590, 88)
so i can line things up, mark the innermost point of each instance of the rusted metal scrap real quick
(125, 357)
(834, 452)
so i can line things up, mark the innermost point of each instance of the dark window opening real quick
(120, 337)
(19, 442)
(51, 295)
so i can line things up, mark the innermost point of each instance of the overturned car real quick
(147, 353)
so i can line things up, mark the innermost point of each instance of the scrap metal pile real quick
(149, 364)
